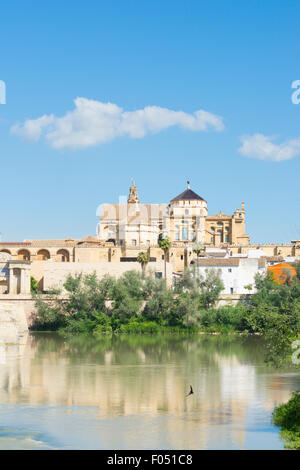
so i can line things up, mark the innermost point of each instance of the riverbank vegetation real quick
(133, 303)
(287, 418)
(139, 303)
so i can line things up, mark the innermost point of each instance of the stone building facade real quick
(14, 275)
(127, 228)
(184, 219)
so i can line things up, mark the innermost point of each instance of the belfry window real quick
(184, 234)
(220, 232)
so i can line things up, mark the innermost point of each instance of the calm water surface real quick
(129, 393)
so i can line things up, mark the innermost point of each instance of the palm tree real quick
(164, 243)
(197, 248)
(143, 258)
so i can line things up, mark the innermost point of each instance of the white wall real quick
(236, 277)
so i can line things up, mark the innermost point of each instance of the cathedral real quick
(184, 219)
(127, 228)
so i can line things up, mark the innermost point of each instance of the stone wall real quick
(54, 274)
(15, 313)
(180, 253)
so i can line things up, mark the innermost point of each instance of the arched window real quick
(184, 234)
(24, 255)
(63, 256)
(43, 255)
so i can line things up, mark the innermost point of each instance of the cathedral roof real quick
(188, 195)
(133, 213)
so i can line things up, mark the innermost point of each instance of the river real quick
(128, 392)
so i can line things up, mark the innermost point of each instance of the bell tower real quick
(133, 194)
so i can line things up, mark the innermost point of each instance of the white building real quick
(236, 273)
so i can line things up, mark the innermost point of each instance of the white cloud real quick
(32, 129)
(261, 147)
(92, 123)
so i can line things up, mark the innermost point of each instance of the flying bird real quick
(190, 392)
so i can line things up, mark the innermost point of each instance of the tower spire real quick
(133, 194)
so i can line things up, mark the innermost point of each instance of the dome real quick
(188, 195)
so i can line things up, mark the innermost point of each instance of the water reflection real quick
(129, 391)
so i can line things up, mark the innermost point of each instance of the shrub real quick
(137, 327)
(34, 285)
(287, 418)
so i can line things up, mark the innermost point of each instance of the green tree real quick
(127, 296)
(199, 292)
(287, 418)
(210, 287)
(49, 312)
(197, 248)
(248, 287)
(143, 258)
(34, 285)
(164, 243)
(274, 311)
(160, 301)
(185, 311)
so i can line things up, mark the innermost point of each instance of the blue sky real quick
(234, 60)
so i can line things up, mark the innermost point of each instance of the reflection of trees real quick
(46, 343)
(157, 349)
(146, 376)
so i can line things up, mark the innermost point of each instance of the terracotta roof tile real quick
(218, 262)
